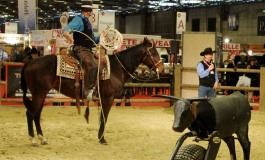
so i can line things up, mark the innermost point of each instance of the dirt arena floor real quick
(131, 133)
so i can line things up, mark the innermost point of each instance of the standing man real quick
(208, 78)
(82, 30)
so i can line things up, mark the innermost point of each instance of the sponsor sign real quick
(157, 42)
(231, 46)
(40, 37)
(12, 38)
(60, 40)
(13, 88)
(232, 21)
(10, 28)
(106, 19)
(94, 18)
(27, 15)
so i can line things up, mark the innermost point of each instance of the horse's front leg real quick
(103, 120)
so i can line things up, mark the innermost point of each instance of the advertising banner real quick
(106, 19)
(10, 28)
(13, 78)
(27, 15)
(261, 26)
(61, 41)
(157, 42)
(40, 37)
(231, 46)
(94, 18)
(12, 38)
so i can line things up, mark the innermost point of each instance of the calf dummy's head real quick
(184, 111)
(183, 115)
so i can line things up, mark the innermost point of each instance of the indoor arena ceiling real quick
(50, 10)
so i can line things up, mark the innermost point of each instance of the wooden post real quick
(262, 90)
(178, 77)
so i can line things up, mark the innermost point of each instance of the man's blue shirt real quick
(203, 73)
(77, 25)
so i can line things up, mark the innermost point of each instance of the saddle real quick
(68, 65)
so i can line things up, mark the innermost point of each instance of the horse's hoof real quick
(44, 142)
(103, 142)
(42, 139)
(33, 141)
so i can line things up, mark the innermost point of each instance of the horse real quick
(39, 76)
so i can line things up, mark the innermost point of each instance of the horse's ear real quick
(147, 41)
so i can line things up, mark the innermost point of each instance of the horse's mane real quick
(130, 57)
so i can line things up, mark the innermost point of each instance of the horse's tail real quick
(86, 115)
(26, 100)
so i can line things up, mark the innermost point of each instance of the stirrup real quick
(91, 96)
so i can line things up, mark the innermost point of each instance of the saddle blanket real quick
(68, 71)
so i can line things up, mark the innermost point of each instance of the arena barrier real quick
(179, 86)
(62, 100)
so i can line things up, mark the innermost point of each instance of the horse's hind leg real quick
(230, 141)
(30, 118)
(243, 139)
(38, 126)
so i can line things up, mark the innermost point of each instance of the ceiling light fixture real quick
(190, 1)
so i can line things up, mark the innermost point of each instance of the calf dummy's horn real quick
(176, 99)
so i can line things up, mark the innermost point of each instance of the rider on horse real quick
(82, 29)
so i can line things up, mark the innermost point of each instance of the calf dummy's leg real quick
(213, 147)
(230, 141)
(243, 139)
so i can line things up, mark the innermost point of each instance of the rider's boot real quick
(90, 82)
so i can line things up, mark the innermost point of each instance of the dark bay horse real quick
(39, 76)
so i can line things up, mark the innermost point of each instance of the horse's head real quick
(151, 57)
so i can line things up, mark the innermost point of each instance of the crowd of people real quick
(243, 61)
(25, 55)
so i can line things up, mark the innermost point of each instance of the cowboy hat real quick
(34, 51)
(87, 4)
(207, 51)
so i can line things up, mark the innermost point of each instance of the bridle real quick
(147, 53)
(153, 60)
